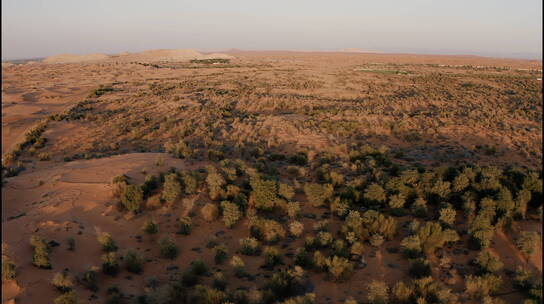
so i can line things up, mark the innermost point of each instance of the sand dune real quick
(165, 55)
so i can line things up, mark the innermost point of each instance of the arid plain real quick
(323, 177)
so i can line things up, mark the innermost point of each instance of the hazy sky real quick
(38, 28)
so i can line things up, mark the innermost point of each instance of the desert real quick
(179, 176)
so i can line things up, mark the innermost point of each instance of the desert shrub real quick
(209, 212)
(302, 258)
(317, 194)
(377, 292)
(411, 246)
(376, 240)
(296, 228)
(215, 183)
(172, 189)
(431, 236)
(150, 184)
(481, 231)
(397, 201)
(9, 269)
(150, 227)
(231, 213)
(207, 295)
(264, 193)
(238, 265)
(339, 268)
(250, 246)
(167, 248)
(220, 254)
(488, 262)
(89, 279)
(184, 225)
(419, 207)
(340, 248)
(340, 206)
(324, 238)
(528, 242)
(219, 281)
(447, 216)
(376, 223)
(357, 248)
(190, 182)
(110, 265)
(132, 197)
(293, 209)
(107, 242)
(133, 261)
(272, 257)
(520, 203)
(480, 286)
(300, 159)
(310, 243)
(198, 267)
(40, 256)
(375, 194)
(267, 230)
(320, 261)
(62, 281)
(286, 191)
(420, 268)
(284, 284)
(66, 298)
(179, 149)
(401, 293)
(353, 223)
(308, 298)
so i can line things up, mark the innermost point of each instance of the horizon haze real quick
(35, 29)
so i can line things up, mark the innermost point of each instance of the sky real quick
(498, 28)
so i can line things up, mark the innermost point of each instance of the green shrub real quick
(207, 295)
(231, 213)
(267, 230)
(286, 191)
(215, 183)
(168, 248)
(339, 268)
(250, 246)
(447, 216)
(479, 287)
(89, 279)
(378, 292)
(220, 254)
(172, 189)
(264, 193)
(66, 298)
(133, 261)
(62, 281)
(302, 258)
(219, 281)
(318, 194)
(184, 225)
(9, 269)
(40, 256)
(132, 197)
(110, 265)
(296, 228)
(293, 209)
(150, 227)
(272, 257)
(528, 242)
(488, 262)
(107, 242)
(375, 194)
(238, 265)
